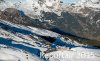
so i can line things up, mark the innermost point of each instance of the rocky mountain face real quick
(74, 19)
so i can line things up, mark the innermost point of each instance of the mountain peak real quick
(90, 3)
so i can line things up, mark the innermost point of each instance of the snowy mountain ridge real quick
(37, 6)
(90, 3)
(32, 6)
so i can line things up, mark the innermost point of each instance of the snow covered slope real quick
(11, 54)
(25, 43)
(22, 43)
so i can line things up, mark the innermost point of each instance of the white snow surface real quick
(8, 54)
(75, 54)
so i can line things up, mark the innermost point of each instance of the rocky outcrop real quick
(70, 23)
